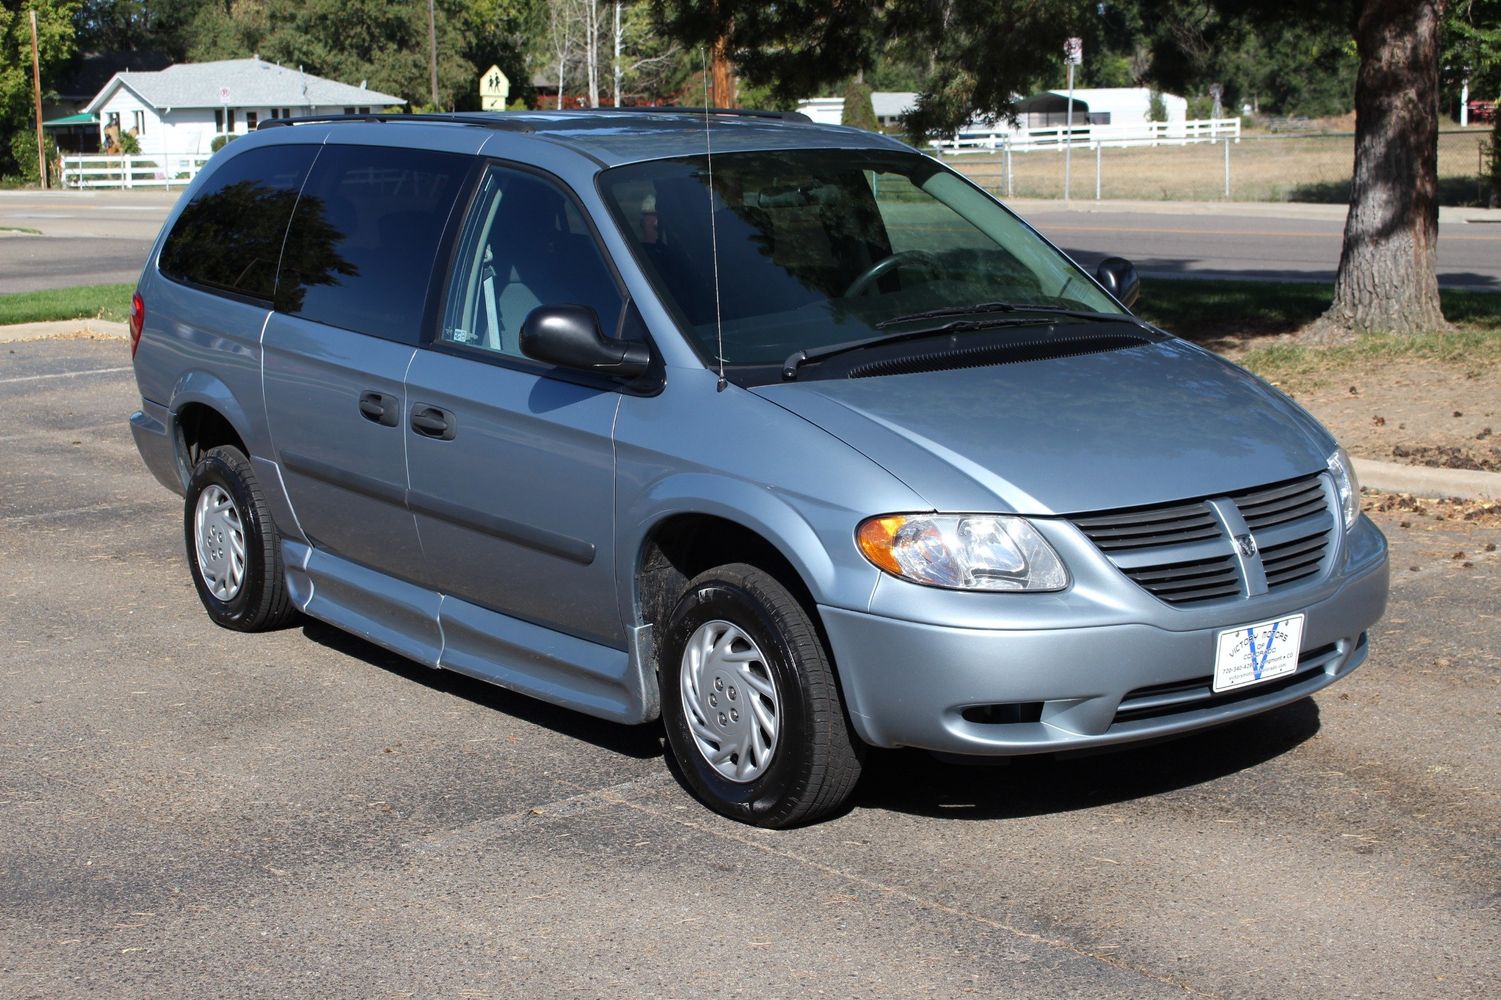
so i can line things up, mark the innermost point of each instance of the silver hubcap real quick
(220, 534)
(730, 700)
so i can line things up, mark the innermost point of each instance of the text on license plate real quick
(1250, 654)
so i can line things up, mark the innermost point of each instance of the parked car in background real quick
(786, 434)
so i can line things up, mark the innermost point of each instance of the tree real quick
(562, 38)
(644, 61)
(858, 111)
(382, 42)
(54, 46)
(1387, 278)
(230, 30)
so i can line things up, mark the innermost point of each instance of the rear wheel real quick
(234, 549)
(750, 704)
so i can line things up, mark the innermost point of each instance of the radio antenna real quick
(713, 228)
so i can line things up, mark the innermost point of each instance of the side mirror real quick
(569, 337)
(1118, 275)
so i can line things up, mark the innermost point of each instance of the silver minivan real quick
(786, 434)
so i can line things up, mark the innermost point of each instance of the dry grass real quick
(1262, 168)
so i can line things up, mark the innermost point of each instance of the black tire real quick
(261, 602)
(815, 760)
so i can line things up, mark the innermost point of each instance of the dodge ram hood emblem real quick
(1246, 544)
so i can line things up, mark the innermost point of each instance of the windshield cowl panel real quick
(825, 247)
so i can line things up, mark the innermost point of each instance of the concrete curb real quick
(1424, 481)
(63, 328)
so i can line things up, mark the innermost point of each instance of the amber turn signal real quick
(875, 536)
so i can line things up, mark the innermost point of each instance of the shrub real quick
(129, 144)
(218, 142)
(1156, 108)
(23, 148)
(858, 111)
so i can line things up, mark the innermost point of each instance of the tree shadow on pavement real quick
(639, 742)
(1009, 788)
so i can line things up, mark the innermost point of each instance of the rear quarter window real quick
(229, 236)
(363, 244)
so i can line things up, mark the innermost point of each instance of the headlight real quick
(962, 551)
(1345, 484)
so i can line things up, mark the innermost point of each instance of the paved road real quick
(112, 232)
(186, 811)
(88, 237)
(1288, 243)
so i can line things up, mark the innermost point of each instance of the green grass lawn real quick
(110, 302)
(1230, 316)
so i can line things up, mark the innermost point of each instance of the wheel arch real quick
(206, 414)
(683, 544)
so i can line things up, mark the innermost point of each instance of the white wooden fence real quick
(988, 140)
(101, 170)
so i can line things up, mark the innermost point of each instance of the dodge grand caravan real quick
(786, 434)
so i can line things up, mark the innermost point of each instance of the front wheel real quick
(234, 549)
(749, 701)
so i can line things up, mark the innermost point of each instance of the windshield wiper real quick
(1006, 307)
(798, 358)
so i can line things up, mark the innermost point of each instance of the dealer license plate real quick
(1252, 654)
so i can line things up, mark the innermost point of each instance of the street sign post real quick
(1073, 55)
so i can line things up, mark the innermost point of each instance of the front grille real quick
(1187, 582)
(1150, 526)
(1270, 506)
(1294, 560)
(1181, 553)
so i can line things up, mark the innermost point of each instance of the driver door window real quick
(525, 245)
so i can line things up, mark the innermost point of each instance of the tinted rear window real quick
(362, 246)
(229, 236)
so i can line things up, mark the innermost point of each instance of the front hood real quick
(1163, 421)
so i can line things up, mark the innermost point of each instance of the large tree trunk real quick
(722, 73)
(1387, 278)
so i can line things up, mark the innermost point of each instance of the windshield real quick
(819, 247)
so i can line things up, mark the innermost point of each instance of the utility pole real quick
(432, 52)
(36, 91)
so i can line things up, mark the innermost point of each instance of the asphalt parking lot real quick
(186, 811)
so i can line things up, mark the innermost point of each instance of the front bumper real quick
(978, 691)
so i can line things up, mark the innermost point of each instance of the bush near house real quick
(23, 148)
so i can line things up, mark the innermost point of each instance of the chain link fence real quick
(1313, 168)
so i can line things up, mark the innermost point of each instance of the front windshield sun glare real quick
(817, 247)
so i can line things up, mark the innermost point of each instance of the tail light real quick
(137, 321)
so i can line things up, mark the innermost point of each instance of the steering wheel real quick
(885, 266)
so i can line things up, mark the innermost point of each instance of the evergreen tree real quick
(858, 111)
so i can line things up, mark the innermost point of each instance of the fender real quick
(845, 581)
(198, 386)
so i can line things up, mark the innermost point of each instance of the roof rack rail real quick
(482, 121)
(786, 116)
